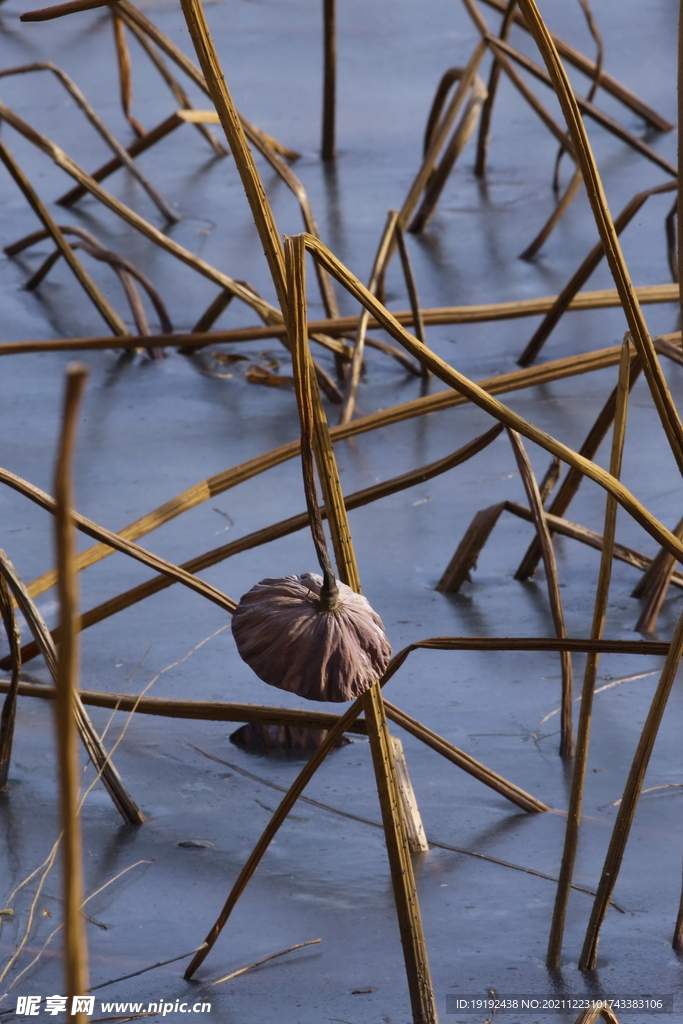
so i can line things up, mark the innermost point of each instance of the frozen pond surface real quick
(150, 430)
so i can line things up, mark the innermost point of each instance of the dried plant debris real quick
(256, 374)
(239, 365)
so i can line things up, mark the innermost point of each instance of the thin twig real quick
(46, 867)
(106, 764)
(601, 689)
(652, 789)
(257, 963)
(143, 970)
(59, 927)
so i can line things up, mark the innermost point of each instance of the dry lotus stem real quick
(310, 634)
(289, 640)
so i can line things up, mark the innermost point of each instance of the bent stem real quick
(329, 594)
(492, 89)
(544, 539)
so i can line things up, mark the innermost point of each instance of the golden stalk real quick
(571, 840)
(75, 944)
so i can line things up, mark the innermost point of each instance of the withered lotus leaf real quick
(284, 635)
